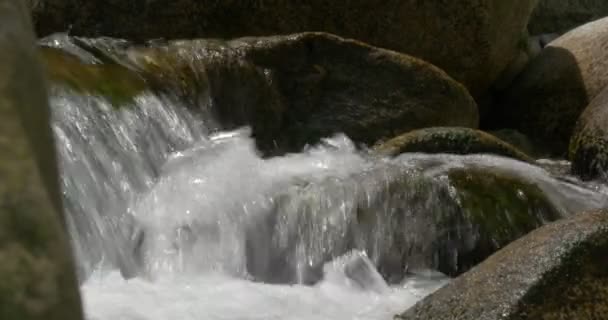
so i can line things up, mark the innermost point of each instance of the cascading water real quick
(171, 218)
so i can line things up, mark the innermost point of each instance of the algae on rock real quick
(450, 140)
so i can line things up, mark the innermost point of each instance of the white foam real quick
(220, 297)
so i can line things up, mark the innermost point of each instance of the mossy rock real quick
(589, 143)
(493, 209)
(556, 272)
(450, 140)
(112, 81)
(296, 89)
(559, 16)
(473, 40)
(37, 272)
(545, 101)
(404, 218)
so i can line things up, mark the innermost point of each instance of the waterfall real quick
(172, 217)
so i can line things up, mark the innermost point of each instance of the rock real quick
(490, 210)
(589, 143)
(38, 278)
(448, 214)
(294, 90)
(110, 80)
(559, 271)
(518, 140)
(559, 16)
(473, 40)
(547, 98)
(450, 140)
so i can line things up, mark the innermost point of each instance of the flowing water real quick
(172, 218)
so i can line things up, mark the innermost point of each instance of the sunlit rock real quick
(545, 101)
(556, 272)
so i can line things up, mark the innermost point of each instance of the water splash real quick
(202, 225)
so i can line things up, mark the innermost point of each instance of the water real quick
(172, 218)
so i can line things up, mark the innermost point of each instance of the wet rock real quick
(472, 40)
(450, 140)
(547, 98)
(559, 271)
(589, 143)
(447, 215)
(110, 80)
(559, 16)
(38, 278)
(294, 90)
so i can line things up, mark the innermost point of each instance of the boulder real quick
(559, 271)
(293, 90)
(37, 272)
(589, 143)
(473, 40)
(450, 140)
(559, 16)
(545, 101)
(447, 213)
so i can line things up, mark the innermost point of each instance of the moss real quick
(114, 82)
(502, 206)
(487, 211)
(450, 140)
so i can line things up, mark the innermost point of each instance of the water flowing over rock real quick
(473, 40)
(450, 140)
(545, 101)
(556, 272)
(155, 177)
(292, 90)
(559, 16)
(38, 281)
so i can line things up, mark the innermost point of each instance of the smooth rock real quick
(450, 140)
(473, 40)
(559, 16)
(545, 101)
(37, 272)
(559, 271)
(293, 90)
(589, 143)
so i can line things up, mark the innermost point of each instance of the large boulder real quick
(559, 16)
(559, 271)
(450, 140)
(589, 143)
(38, 278)
(294, 90)
(545, 101)
(473, 40)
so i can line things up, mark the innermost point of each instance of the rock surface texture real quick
(559, 271)
(293, 90)
(473, 40)
(559, 16)
(545, 101)
(38, 279)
